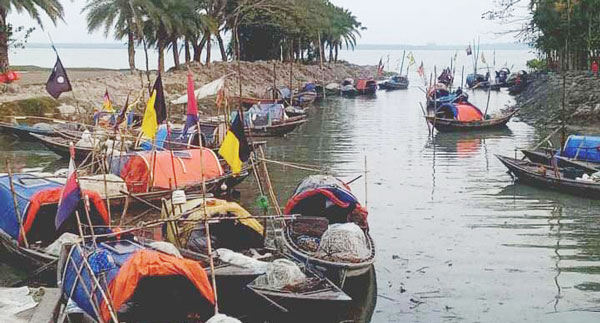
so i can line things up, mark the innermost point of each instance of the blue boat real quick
(122, 280)
(397, 82)
(28, 230)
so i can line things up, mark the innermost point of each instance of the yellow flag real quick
(230, 151)
(107, 105)
(149, 123)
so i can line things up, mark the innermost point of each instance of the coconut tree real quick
(122, 16)
(34, 8)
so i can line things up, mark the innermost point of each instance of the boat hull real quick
(542, 157)
(527, 176)
(451, 125)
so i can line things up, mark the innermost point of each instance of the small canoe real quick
(449, 125)
(277, 129)
(545, 177)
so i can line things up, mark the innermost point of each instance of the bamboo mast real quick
(16, 204)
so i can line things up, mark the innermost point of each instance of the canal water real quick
(456, 239)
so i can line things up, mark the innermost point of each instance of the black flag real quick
(58, 82)
(159, 105)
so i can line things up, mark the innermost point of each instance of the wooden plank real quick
(47, 310)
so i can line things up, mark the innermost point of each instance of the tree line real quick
(566, 33)
(308, 30)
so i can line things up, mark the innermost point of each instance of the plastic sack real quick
(343, 241)
(222, 318)
(241, 260)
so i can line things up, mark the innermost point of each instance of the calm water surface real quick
(457, 240)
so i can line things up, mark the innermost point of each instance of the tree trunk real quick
(3, 42)
(336, 52)
(208, 41)
(175, 53)
(330, 52)
(198, 49)
(187, 50)
(222, 47)
(131, 48)
(161, 56)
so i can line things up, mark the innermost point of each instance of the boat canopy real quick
(461, 111)
(37, 200)
(127, 266)
(363, 84)
(183, 168)
(262, 115)
(242, 233)
(585, 148)
(327, 196)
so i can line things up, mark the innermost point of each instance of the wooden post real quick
(16, 204)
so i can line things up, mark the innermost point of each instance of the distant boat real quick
(397, 82)
(347, 88)
(366, 86)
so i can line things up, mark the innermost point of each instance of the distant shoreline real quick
(497, 46)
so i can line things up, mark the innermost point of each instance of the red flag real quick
(421, 70)
(192, 107)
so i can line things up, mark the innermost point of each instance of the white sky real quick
(413, 22)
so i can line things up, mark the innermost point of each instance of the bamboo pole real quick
(16, 204)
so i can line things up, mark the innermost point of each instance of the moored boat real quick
(397, 82)
(366, 86)
(463, 116)
(265, 120)
(579, 152)
(332, 233)
(564, 180)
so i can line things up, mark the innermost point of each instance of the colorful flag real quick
(107, 105)
(411, 59)
(192, 107)
(421, 70)
(483, 59)
(122, 114)
(58, 82)
(156, 110)
(235, 149)
(71, 193)
(380, 67)
(159, 105)
(149, 124)
(469, 50)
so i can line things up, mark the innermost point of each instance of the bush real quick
(537, 65)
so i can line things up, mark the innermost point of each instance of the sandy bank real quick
(89, 84)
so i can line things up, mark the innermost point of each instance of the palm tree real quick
(120, 14)
(52, 8)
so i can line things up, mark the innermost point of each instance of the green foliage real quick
(537, 65)
(40, 106)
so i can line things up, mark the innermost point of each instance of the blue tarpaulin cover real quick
(583, 148)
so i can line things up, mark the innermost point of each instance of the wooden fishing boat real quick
(277, 129)
(28, 231)
(24, 126)
(543, 157)
(397, 82)
(559, 179)
(308, 237)
(268, 120)
(581, 152)
(445, 124)
(366, 86)
(60, 146)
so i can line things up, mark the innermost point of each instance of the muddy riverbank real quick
(541, 103)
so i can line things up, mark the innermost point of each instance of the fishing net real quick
(282, 273)
(343, 242)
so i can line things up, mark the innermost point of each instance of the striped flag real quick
(71, 194)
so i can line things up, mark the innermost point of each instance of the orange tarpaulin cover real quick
(468, 112)
(188, 170)
(146, 263)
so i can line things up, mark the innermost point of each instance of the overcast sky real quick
(388, 22)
